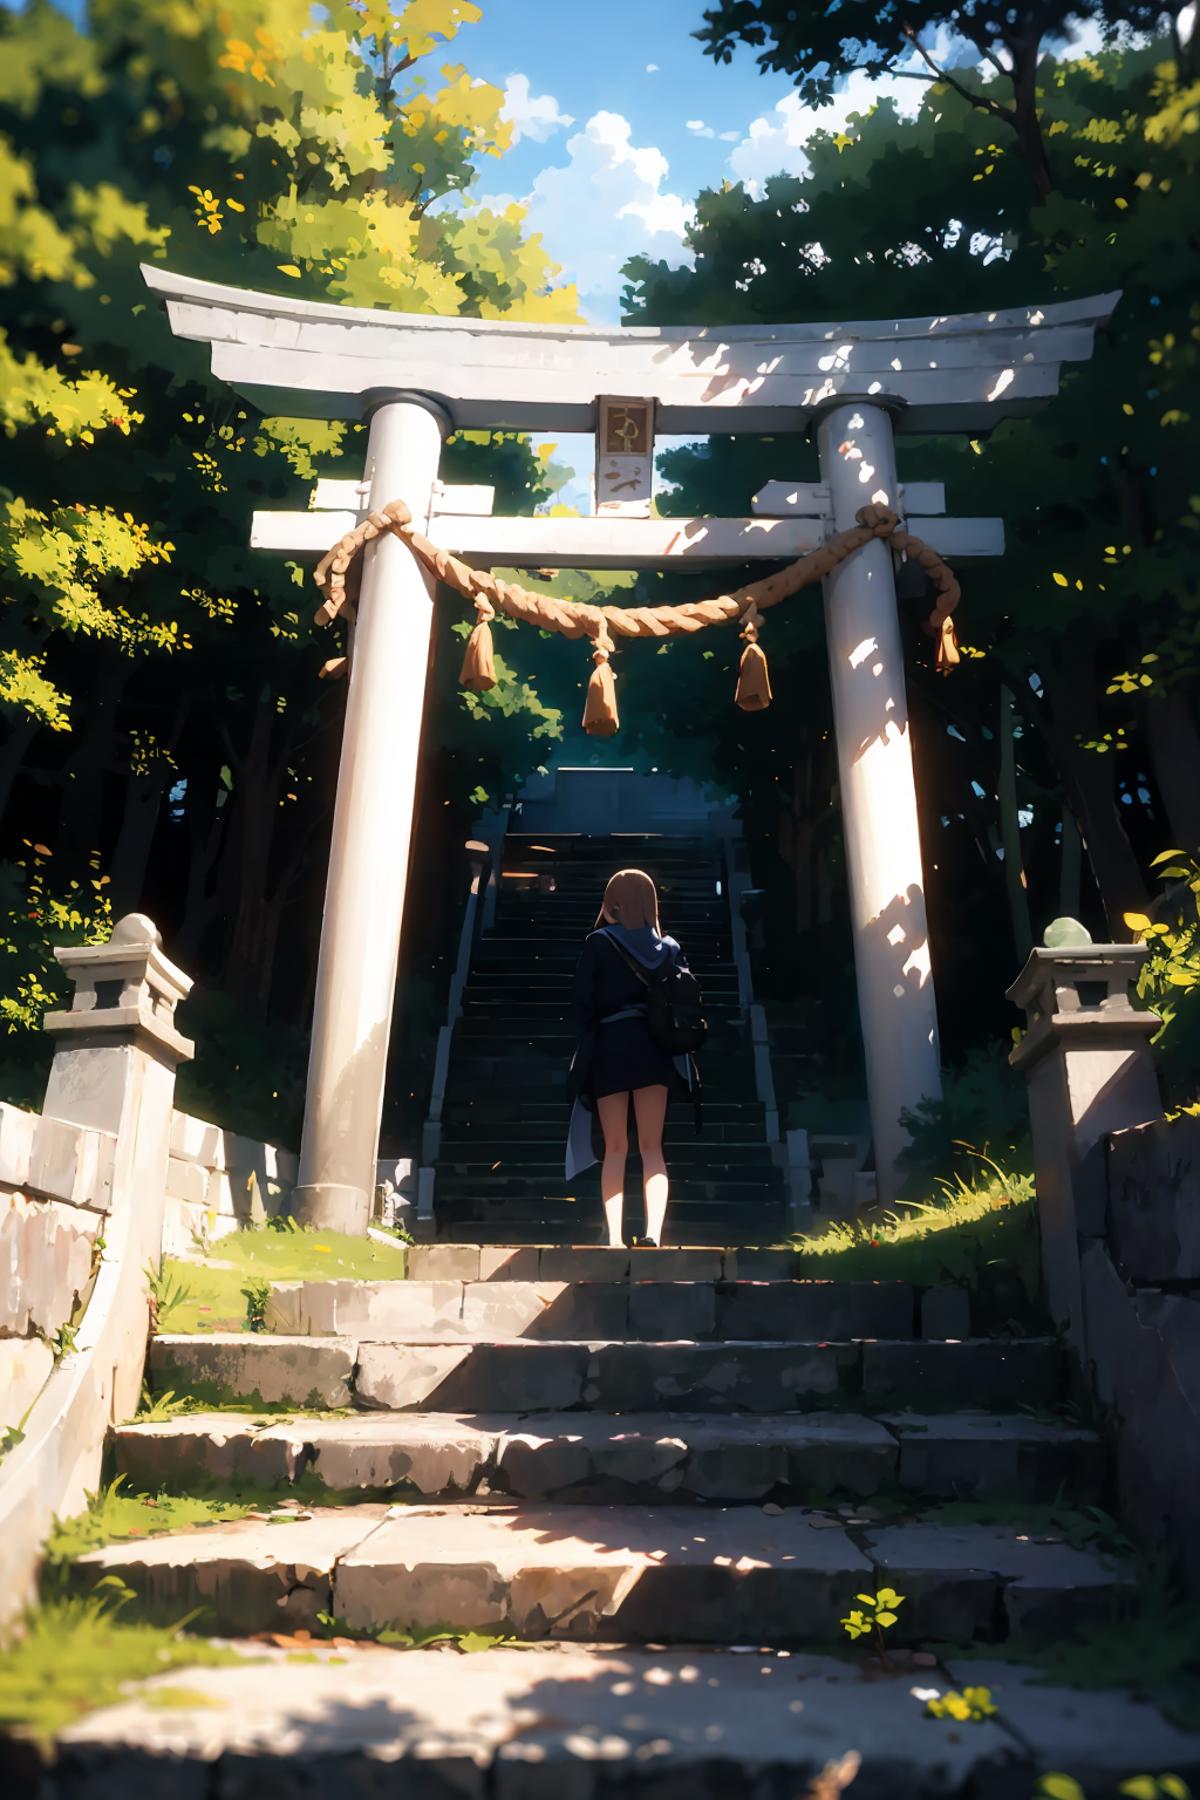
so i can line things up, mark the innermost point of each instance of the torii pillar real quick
(896, 1000)
(372, 834)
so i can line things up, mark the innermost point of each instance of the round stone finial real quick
(1066, 934)
(136, 928)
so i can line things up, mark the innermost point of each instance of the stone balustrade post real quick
(115, 1057)
(116, 1052)
(1086, 1059)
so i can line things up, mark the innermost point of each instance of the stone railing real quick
(55, 1195)
(218, 1181)
(82, 1191)
(1119, 1208)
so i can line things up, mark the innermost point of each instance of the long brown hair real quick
(630, 899)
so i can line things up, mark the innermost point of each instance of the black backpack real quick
(673, 1006)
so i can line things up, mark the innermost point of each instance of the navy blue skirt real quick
(626, 1057)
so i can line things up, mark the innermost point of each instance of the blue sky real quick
(623, 120)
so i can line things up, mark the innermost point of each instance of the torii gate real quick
(415, 379)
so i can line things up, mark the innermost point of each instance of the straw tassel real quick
(754, 678)
(600, 718)
(478, 672)
(946, 655)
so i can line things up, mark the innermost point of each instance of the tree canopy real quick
(986, 52)
(166, 742)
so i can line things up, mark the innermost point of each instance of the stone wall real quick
(218, 1181)
(1141, 1300)
(55, 1193)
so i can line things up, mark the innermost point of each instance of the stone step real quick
(555, 1107)
(526, 1375)
(623, 1574)
(717, 1210)
(562, 1311)
(528, 1183)
(573, 1722)
(753, 1225)
(533, 1135)
(652, 1458)
(754, 1215)
(582, 1262)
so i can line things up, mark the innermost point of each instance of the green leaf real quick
(1060, 1787)
(1140, 1787)
(1166, 856)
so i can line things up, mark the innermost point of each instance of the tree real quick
(1082, 640)
(157, 678)
(820, 45)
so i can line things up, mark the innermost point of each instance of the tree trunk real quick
(21, 733)
(247, 860)
(1071, 867)
(205, 819)
(80, 820)
(1174, 744)
(1010, 832)
(1088, 783)
(139, 821)
(1024, 53)
(143, 797)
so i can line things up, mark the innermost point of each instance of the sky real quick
(622, 120)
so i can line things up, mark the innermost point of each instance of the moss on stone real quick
(71, 1656)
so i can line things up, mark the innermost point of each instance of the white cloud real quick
(652, 68)
(534, 116)
(698, 128)
(606, 203)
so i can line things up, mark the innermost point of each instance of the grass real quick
(1152, 1652)
(114, 1516)
(207, 1291)
(981, 1235)
(75, 1655)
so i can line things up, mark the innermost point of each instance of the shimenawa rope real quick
(336, 572)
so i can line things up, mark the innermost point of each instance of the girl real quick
(616, 1055)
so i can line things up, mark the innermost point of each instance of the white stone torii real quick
(416, 378)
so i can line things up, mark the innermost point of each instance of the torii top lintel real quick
(957, 372)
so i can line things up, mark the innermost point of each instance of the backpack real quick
(673, 1005)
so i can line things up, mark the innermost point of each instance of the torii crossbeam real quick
(415, 379)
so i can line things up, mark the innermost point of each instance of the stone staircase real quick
(499, 1171)
(666, 1476)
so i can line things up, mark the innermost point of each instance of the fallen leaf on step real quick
(774, 1510)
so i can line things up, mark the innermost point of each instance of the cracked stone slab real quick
(822, 1311)
(760, 1378)
(365, 1308)
(564, 1456)
(564, 1722)
(961, 1581)
(431, 1454)
(518, 1376)
(246, 1575)
(935, 1377)
(288, 1371)
(978, 1455)
(1096, 1734)
(632, 1574)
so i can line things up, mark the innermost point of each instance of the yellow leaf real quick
(288, 269)
(1060, 580)
(1137, 921)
